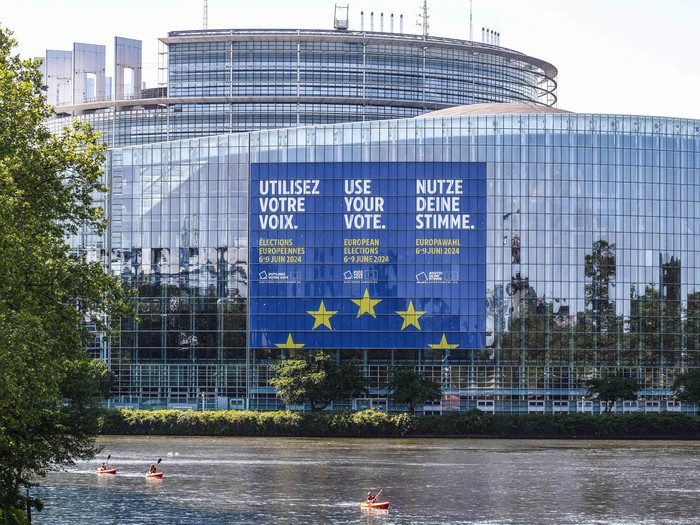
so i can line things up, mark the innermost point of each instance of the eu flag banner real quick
(368, 255)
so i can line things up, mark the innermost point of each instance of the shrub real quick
(374, 423)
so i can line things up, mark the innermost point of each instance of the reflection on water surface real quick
(427, 482)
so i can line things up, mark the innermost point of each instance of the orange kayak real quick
(154, 474)
(368, 505)
(106, 471)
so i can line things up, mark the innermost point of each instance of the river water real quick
(426, 481)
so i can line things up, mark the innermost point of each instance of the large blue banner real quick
(368, 255)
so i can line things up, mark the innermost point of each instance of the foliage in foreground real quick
(49, 298)
(410, 388)
(686, 387)
(316, 377)
(612, 388)
(13, 516)
(373, 423)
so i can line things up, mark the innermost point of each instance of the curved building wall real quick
(562, 247)
(363, 68)
(226, 81)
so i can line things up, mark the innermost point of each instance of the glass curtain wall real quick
(590, 242)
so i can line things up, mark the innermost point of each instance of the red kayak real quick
(106, 471)
(368, 505)
(154, 475)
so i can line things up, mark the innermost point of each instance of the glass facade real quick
(509, 256)
(228, 81)
(353, 66)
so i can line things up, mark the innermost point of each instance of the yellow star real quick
(366, 304)
(410, 316)
(289, 344)
(322, 316)
(443, 344)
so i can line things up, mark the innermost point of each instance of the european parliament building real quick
(396, 199)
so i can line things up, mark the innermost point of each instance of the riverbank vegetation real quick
(14, 516)
(373, 423)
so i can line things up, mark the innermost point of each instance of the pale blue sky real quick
(614, 56)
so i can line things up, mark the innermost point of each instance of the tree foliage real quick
(612, 388)
(316, 377)
(408, 387)
(686, 387)
(52, 301)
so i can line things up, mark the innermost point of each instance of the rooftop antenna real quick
(471, 24)
(205, 19)
(424, 17)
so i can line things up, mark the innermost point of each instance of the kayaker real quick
(104, 466)
(371, 498)
(153, 469)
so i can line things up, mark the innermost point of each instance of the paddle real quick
(376, 497)
(107, 462)
(157, 462)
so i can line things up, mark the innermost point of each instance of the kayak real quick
(154, 475)
(106, 471)
(368, 505)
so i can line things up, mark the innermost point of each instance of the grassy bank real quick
(372, 423)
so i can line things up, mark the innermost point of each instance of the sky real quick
(638, 57)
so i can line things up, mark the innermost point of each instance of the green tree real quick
(611, 389)
(315, 377)
(347, 380)
(410, 388)
(52, 301)
(686, 387)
